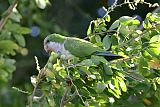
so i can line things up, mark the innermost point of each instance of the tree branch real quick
(8, 12)
(64, 96)
(71, 98)
(39, 78)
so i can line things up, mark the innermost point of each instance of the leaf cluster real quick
(133, 80)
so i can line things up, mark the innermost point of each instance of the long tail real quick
(108, 55)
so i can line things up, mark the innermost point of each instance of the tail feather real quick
(108, 55)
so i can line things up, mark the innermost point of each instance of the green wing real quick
(80, 48)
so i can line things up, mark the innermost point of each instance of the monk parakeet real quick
(71, 46)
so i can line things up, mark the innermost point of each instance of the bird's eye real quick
(47, 41)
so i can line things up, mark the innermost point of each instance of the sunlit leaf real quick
(42, 3)
(154, 63)
(50, 74)
(114, 25)
(51, 102)
(33, 80)
(122, 84)
(89, 31)
(114, 93)
(102, 98)
(107, 42)
(87, 62)
(107, 18)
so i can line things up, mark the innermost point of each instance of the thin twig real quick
(115, 6)
(32, 96)
(39, 78)
(64, 96)
(122, 60)
(76, 89)
(8, 12)
(71, 98)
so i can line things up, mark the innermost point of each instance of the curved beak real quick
(47, 49)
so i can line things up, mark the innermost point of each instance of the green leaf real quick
(147, 24)
(125, 19)
(24, 30)
(157, 95)
(97, 59)
(89, 31)
(85, 92)
(86, 62)
(134, 22)
(157, 80)
(16, 16)
(5, 34)
(107, 69)
(114, 25)
(124, 30)
(98, 38)
(20, 39)
(155, 39)
(143, 87)
(84, 69)
(102, 98)
(62, 73)
(8, 47)
(136, 76)
(16, 28)
(114, 40)
(114, 93)
(143, 66)
(122, 84)
(107, 42)
(108, 18)
(154, 52)
(51, 102)
(6, 68)
(79, 83)
(50, 74)
(100, 87)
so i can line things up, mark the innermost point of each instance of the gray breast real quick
(60, 49)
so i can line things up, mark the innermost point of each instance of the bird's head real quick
(53, 42)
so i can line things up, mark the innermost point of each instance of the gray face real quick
(58, 48)
(52, 46)
(45, 43)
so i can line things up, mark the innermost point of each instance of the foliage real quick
(133, 80)
(90, 81)
(11, 41)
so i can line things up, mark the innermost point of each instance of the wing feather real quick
(80, 48)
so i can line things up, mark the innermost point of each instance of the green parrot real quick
(70, 47)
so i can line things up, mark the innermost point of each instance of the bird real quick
(71, 47)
